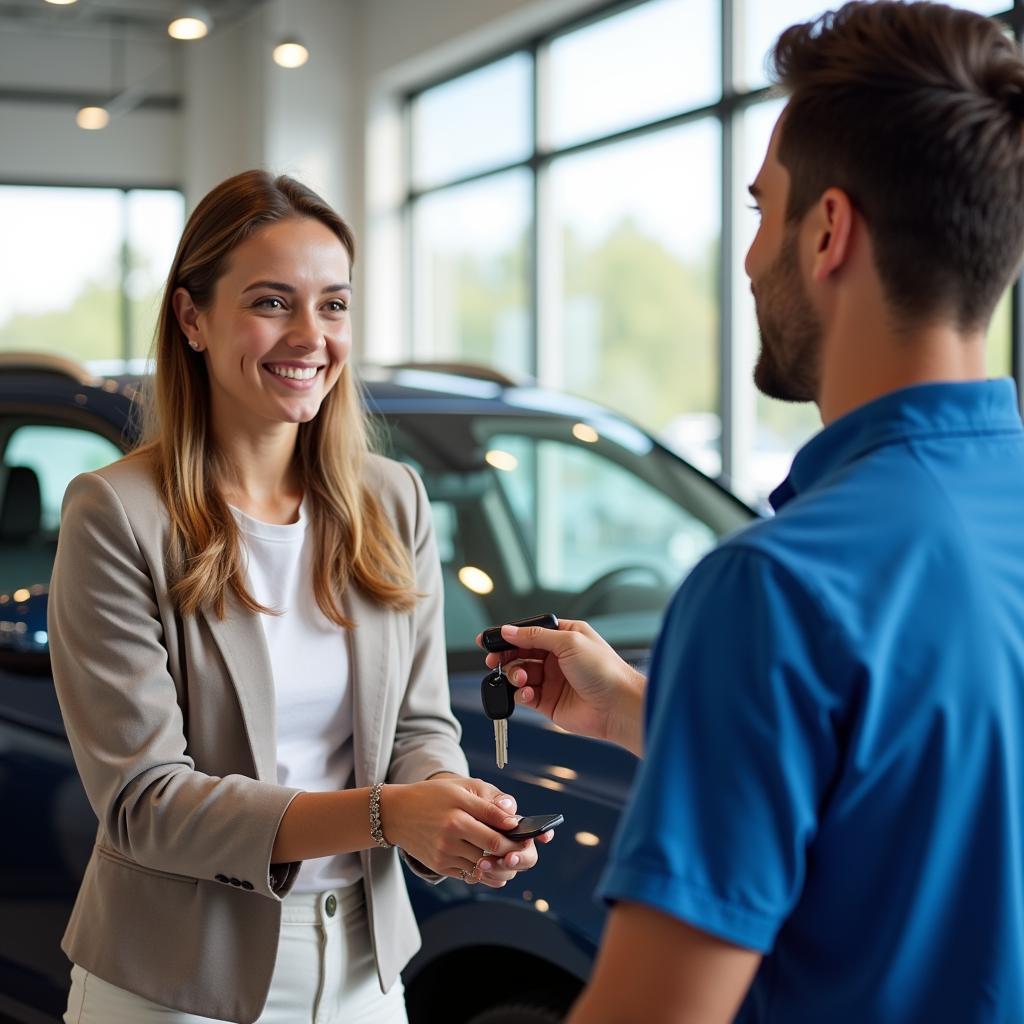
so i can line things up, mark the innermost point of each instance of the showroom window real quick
(82, 269)
(576, 211)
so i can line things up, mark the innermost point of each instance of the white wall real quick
(242, 110)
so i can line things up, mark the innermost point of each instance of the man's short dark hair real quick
(916, 111)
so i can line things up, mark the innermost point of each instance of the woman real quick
(247, 642)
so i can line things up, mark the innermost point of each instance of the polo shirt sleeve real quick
(740, 749)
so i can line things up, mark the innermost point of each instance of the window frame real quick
(124, 318)
(731, 103)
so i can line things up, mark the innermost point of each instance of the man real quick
(829, 822)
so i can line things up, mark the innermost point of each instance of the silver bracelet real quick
(376, 832)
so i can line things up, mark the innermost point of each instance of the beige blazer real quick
(171, 722)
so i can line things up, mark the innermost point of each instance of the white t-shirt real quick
(309, 661)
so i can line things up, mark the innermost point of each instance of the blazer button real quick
(247, 886)
(234, 881)
(331, 905)
(221, 878)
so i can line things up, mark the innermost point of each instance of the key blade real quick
(500, 742)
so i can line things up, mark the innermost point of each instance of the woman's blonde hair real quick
(355, 543)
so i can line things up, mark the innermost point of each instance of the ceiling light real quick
(290, 53)
(61, 3)
(584, 432)
(192, 23)
(92, 118)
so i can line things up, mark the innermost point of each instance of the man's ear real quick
(187, 314)
(832, 227)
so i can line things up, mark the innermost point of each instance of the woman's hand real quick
(496, 871)
(450, 824)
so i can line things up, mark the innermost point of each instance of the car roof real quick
(400, 388)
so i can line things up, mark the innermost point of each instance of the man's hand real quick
(656, 969)
(574, 677)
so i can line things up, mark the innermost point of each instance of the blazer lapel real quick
(241, 641)
(369, 645)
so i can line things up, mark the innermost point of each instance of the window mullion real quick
(125, 303)
(727, 396)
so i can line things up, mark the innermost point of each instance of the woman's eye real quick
(337, 306)
(271, 302)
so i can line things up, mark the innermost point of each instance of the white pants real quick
(324, 974)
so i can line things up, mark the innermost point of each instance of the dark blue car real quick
(541, 503)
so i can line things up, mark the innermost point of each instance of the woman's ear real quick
(832, 226)
(187, 314)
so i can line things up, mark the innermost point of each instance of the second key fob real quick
(494, 642)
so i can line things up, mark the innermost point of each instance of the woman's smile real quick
(295, 376)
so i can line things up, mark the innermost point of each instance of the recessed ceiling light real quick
(62, 3)
(192, 23)
(290, 53)
(92, 118)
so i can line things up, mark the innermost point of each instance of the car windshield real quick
(539, 513)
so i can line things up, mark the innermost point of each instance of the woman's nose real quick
(304, 331)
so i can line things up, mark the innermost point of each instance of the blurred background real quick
(556, 188)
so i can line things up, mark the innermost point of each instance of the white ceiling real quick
(130, 18)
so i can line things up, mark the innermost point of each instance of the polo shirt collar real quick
(924, 410)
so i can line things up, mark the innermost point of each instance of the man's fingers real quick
(525, 672)
(537, 639)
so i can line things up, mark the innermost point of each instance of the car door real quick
(41, 798)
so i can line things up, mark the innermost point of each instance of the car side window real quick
(39, 461)
(596, 530)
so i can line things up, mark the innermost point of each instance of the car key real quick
(499, 700)
(497, 693)
(494, 642)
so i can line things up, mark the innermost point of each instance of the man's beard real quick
(788, 363)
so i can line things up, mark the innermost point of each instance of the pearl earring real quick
(194, 345)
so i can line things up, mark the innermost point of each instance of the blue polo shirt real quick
(834, 770)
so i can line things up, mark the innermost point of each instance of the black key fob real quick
(498, 695)
(535, 825)
(492, 638)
